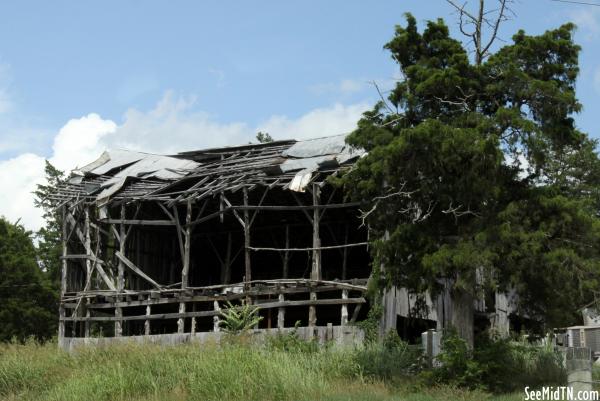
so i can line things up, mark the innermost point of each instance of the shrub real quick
(391, 359)
(496, 365)
(239, 319)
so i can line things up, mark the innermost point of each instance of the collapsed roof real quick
(289, 164)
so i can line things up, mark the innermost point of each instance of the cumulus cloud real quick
(316, 123)
(79, 140)
(173, 125)
(19, 177)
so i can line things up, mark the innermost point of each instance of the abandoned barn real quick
(154, 247)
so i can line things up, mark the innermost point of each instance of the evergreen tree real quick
(263, 137)
(477, 178)
(49, 247)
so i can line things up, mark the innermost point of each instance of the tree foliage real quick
(263, 137)
(28, 301)
(477, 177)
(49, 237)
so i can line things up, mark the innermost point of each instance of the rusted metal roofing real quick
(122, 174)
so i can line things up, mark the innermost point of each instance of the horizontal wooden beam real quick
(252, 248)
(206, 298)
(293, 207)
(139, 222)
(83, 256)
(266, 305)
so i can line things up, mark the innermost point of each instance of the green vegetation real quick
(192, 372)
(496, 365)
(28, 302)
(477, 179)
(238, 319)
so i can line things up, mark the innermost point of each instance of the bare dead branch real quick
(482, 19)
(457, 213)
(383, 100)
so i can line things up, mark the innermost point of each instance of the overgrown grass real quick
(193, 372)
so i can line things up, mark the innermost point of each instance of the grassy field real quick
(232, 372)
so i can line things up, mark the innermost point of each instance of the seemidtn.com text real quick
(561, 393)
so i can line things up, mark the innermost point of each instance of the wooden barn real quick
(154, 246)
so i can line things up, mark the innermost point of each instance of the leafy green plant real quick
(239, 318)
(370, 325)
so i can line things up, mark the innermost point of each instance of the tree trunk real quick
(462, 315)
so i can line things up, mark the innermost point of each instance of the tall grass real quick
(189, 372)
(193, 372)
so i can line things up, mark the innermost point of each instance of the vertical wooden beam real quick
(248, 268)
(88, 268)
(315, 273)
(344, 320)
(147, 322)
(186, 262)
(316, 262)
(120, 275)
(63, 277)
(193, 327)
(281, 313)
(216, 320)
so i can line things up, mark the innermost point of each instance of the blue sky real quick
(77, 77)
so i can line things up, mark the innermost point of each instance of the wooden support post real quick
(286, 253)
(193, 327)
(248, 268)
(281, 313)
(186, 262)
(316, 262)
(216, 320)
(147, 322)
(88, 268)
(344, 320)
(120, 275)
(63, 277)
(315, 273)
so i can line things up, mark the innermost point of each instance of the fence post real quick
(579, 369)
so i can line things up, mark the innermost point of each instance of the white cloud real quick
(19, 177)
(597, 79)
(316, 123)
(80, 140)
(172, 126)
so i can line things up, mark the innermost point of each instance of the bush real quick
(389, 360)
(496, 365)
(239, 319)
